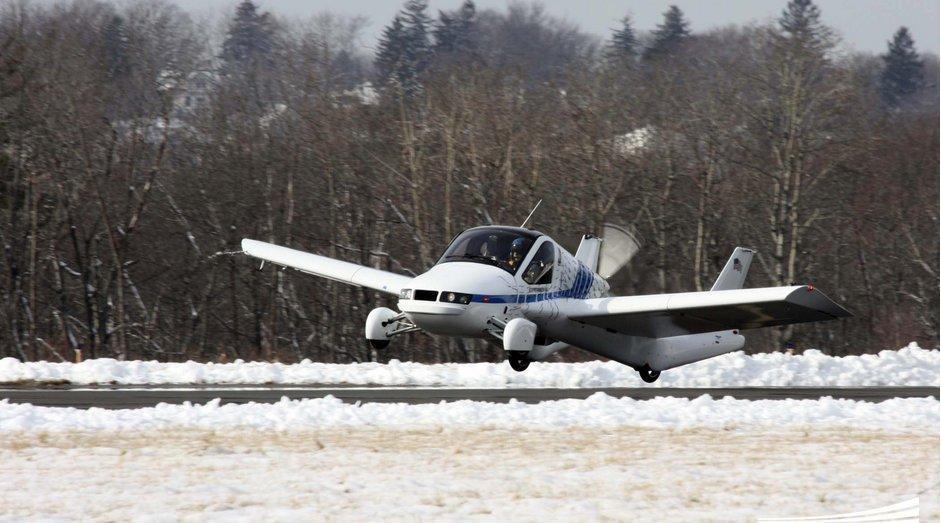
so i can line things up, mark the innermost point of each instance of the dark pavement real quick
(124, 398)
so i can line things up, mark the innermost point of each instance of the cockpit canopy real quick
(503, 247)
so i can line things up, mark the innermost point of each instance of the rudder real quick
(589, 252)
(733, 274)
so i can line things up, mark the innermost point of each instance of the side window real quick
(539, 271)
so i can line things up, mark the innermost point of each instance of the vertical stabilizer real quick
(733, 274)
(589, 251)
(609, 254)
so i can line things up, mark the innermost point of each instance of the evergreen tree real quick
(445, 33)
(391, 54)
(903, 74)
(405, 49)
(417, 43)
(668, 35)
(454, 31)
(117, 56)
(250, 40)
(623, 44)
(801, 26)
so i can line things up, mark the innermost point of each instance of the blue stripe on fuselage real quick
(579, 290)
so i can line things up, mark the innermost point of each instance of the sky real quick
(864, 25)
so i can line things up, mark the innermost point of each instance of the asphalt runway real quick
(136, 397)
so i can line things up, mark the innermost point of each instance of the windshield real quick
(504, 248)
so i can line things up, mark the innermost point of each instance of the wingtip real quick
(811, 296)
(247, 244)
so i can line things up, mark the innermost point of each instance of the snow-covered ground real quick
(599, 410)
(666, 459)
(671, 459)
(908, 366)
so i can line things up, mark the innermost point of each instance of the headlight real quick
(455, 297)
(405, 294)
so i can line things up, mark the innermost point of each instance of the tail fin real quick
(589, 251)
(735, 270)
(609, 254)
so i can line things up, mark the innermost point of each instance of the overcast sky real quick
(865, 25)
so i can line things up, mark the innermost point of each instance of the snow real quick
(319, 460)
(602, 458)
(909, 366)
(599, 410)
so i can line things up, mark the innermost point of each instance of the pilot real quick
(516, 253)
(487, 248)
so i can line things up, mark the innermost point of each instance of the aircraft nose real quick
(474, 279)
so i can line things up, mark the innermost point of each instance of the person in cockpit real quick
(516, 253)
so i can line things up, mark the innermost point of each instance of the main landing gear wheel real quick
(379, 344)
(648, 375)
(518, 360)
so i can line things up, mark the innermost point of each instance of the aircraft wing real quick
(664, 315)
(322, 266)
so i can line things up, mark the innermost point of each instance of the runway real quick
(137, 397)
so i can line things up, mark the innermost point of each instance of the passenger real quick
(516, 253)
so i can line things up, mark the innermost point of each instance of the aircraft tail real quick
(589, 251)
(610, 253)
(733, 274)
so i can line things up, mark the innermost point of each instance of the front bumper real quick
(431, 307)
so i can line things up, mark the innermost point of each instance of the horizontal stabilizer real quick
(663, 315)
(324, 267)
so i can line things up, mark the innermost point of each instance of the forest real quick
(140, 144)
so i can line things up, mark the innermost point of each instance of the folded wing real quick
(322, 266)
(663, 315)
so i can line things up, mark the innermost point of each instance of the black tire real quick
(379, 344)
(649, 375)
(518, 361)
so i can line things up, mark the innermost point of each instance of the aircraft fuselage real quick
(497, 297)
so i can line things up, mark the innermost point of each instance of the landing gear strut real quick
(519, 361)
(648, 375)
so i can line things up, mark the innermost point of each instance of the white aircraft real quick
(519, 286)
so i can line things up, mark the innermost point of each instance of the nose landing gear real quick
(383, 324)
(648, 375)
(519, 361)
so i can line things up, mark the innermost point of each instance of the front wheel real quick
(378, 344)
(519, 361)
(649, 375)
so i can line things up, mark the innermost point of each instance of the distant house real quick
(363, 93)
(189, 94)
(193, 93)
(634, 142)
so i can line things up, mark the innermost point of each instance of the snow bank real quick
(911, 365)
(599, 410)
